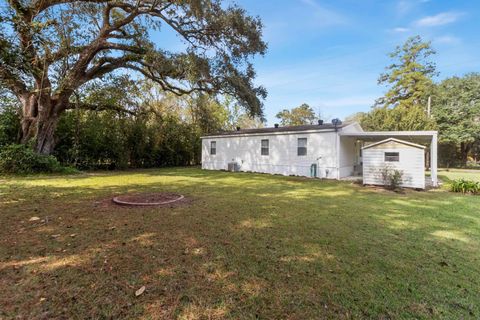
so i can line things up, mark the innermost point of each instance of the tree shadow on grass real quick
(249, 246)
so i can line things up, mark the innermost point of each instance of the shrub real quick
(465, 186)
(9, 123)
(392, 178)
(21, 159)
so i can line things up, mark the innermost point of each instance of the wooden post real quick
(433, 160)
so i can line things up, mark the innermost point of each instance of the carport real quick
(427, 138)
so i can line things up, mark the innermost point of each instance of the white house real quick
(323, 151)
(394, 154)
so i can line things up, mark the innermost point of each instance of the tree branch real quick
(99, 107)
(39, 6)
(12, 82)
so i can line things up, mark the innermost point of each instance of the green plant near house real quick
(392, 178)
(465, 186)
(21, 159)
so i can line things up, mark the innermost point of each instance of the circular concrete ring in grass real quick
(148, 199)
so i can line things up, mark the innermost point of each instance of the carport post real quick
(433, 160)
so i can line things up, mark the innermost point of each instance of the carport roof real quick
(412, 136)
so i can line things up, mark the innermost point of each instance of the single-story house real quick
(324, 150)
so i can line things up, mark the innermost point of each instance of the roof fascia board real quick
(389, 133)
(394, 140)
(267, 133)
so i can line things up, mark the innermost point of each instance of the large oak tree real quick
(49, 49)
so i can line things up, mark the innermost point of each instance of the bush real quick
(465, 186)
(21, 159)
(9, 124)
(392, 178)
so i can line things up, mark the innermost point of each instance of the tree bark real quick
(39, 121)
(464, 150)
(45, 139)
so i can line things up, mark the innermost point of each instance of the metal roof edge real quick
(395, 140)
(267, 133)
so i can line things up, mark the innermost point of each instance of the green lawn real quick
(245, 246)
(453, 174)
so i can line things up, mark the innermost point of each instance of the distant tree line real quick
(414, 101)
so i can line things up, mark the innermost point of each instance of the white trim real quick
(394, 140)
(356, 125)
(266, 133)
(433, 160)
(388, 133)
(337, 145)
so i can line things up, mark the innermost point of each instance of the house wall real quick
(282, 158)
(347, 156)
(411, 162)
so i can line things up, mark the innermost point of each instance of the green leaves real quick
(403, 107)
(409, 76)
(51, 49)
(456, 108)
(465, 186)
(399, 118)
(300, 115)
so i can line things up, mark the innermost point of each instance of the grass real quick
(455, 174)
(247, 246)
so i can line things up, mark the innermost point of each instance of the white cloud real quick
(439, 19)
(400, 29)
(447, 40)
(324, 16)
(354, 101)
(404, 6)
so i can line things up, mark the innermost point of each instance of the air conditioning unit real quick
(233, 167)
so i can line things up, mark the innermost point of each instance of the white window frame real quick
(265, 148)
(392, 156)
(301, 147)
(213, 147)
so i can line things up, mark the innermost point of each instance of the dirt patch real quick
(106, 204)
(148, 199)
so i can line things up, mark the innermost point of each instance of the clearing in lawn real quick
(243, 246)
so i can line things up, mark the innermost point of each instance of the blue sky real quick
(329, 53)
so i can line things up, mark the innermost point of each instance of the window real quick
(302, 147)
(392, 157)
(213, 147)
(264, 147)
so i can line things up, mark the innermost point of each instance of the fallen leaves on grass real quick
(140, 291)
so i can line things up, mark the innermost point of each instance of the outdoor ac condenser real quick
(233, 167)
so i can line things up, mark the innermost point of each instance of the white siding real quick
(411, 162)
(282, 158)
(347, 156)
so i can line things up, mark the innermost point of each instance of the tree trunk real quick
(465, 149)
(45, 139)
(39, 122)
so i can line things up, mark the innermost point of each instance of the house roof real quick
(412, 136)
(311, 127)
(395, 140)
